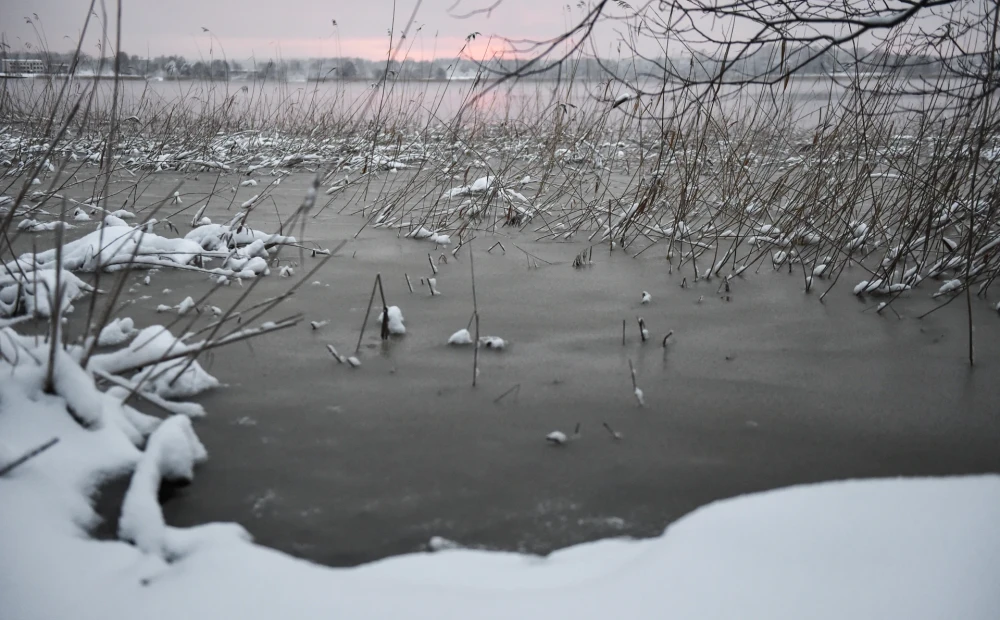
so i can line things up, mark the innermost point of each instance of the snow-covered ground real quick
(919, 548)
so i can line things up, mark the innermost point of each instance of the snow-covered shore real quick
(919, 548)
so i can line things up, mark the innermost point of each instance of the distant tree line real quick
(758, 63)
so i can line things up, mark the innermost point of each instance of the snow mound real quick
(221, 236)
(421, 233)
(117, 332)
(34, 292)
(176, 378)
(462, 336)
(395, 321)
(492, 342)
(171, 454)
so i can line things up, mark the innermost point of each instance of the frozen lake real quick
(761, 388)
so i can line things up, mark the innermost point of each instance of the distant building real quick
(23, 65)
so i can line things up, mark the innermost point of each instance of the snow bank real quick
(915, 549)
(171, 454)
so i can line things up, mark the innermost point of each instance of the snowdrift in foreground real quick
(922, 548)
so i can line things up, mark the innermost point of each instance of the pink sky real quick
(266, 29)
(291, 28)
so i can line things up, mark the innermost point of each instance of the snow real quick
(492, 342)
(439, 543)
(113, 220)
(34, 292)
(337, 356)
(117, 332)
(220, 236)
(171, 454)
(118, 245)
(916, 549)
(185, 306)
(462, 336)
(948, 287)
(30, 225)
(479, 186)
(395, 321)
(169, 379)
(421, 233)
(556, 437)
(622, 98)
(175, 379)
(896, 548)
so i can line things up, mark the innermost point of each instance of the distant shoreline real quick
(369, 80)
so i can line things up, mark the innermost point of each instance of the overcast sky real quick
(300, 28)
(268, 29)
